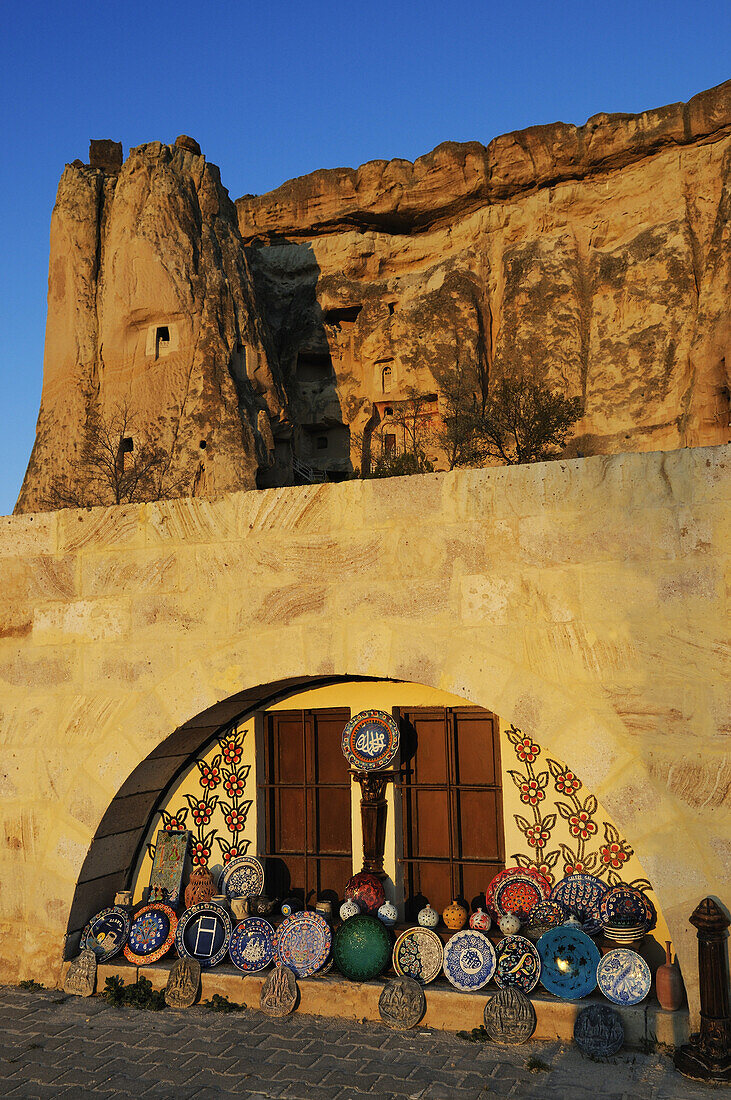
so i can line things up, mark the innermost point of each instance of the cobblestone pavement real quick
(59, 1046)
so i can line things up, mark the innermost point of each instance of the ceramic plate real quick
(241, 878)
(303, 943)
(418, 953)
(370, 740)
(548, 913)
(518, 964)
(204, 932)
(251, 946)
(623, 977)
(581, 895)
(106, 933)
(568, 963)
(625, 905)
(516, 890)
(151, 934)
(469, 960)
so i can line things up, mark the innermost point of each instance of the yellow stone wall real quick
(582, 601)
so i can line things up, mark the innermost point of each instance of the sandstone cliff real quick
(150, 304)
(599, 255)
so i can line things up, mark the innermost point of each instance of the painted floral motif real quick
(552, 857)
(218, 814)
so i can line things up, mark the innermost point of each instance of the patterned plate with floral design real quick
(581, 895)
(251, 946)
(623, 976)
(106, 933)
(418, 953)
(151, 934)
(518, 964)
(568, 962)
(241, 878)
(303, 943)
(627, 904)
(516, 890)
(549, 913)
(469, 960)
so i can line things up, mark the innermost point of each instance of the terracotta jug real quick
(200, 887)
(669, 983)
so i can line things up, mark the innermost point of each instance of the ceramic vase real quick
(455, 916)
(669, 983)
(428, 917)
(200, 887)
(348, 909)
(480, 921)
(290, 906)
(388, 914)
(509, 925)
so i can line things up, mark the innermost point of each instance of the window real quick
(306, 790)
(452, 805)
(162, 341)
(389, 443)
(322, 442)
(386, 379)
(388, 411)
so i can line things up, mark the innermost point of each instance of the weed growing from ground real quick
(139, 995)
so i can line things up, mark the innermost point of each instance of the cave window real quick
(162, 340)
(347, 314)
(322, 442)
(391, 308)
(387, 379)
(389, 443)
(388, 411)
(314, 368)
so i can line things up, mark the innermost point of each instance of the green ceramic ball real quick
(362, 948)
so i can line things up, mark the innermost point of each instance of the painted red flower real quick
(210, 776)
(567, 783)
(235, 820)
(232, 751)
(527, 750)
(174, 826)
(537, 836)
(531, 792)
(546, 871)
(202, 812)
(613, 855)
(234, 785)
(576, 868)
(580, 824)
(200, 853)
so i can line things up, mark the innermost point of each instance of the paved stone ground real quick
(59, 1046)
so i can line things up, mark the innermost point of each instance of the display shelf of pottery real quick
(669, 983)
(428, 917)
(455, 916)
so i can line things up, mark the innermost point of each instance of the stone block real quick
(101, 620)
(667, 1029)
(127, 572)
(81, 529)
(28, 536)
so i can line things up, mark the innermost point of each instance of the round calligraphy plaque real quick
(402, 1003)
(598, 1031)
(509, 1016)
(370, 740)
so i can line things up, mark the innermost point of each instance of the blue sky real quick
(273, 90)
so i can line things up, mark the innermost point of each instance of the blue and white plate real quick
(303, 943)
(569, 960)
(623, 977)
(203, 933)
(581, 895)
(518, 964)
(106, 933)
(469, 960)
(252, 944)
(241, 878)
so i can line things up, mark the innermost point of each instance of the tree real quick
(412, 418)
(524, 420)
(116, 464)
(461, 407)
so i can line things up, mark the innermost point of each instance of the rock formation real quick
(150, 305)
(598, 256)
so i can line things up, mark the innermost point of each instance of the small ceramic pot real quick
(200, 887)
(123, 898)
(259, 905)
(290, 906)
(349, 908)
(388, 914)
(240, 908)
(455, 916)
(480, 921)
(572, 921)
(325, 909)
(669, 983)
(428, 917)
(509, 925)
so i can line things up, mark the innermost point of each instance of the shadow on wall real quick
(313, 443)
